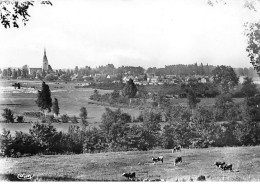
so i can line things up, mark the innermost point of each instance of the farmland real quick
(70, 101)
(110, 166)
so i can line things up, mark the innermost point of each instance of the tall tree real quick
(253, 48)
(83, 113)
(249, 88)
(55, 107)
(226, 77)
(130, 89)
(76, 70)
(19, 73)
(192, 99)
(44, 100)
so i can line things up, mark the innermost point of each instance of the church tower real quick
(45, 61)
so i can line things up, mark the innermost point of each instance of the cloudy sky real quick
(129, 32)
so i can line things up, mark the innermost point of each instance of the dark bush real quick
(20, 119)
(8, 115)
(33, 114)
(65, 118)
(6, 141)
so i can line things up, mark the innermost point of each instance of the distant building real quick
(45, 62)
(45, 66)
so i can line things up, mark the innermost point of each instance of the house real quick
(155, 79)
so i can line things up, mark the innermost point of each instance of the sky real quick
(147, 33)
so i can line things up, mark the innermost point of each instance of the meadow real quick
(70, 99)
(70, 102)
(110, 166)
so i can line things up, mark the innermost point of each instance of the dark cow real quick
(227, 167)
(220, 164)
(178, 160)
(155, 160)
(129, 175)
(177, 148)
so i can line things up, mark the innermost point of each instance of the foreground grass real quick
(110, 166)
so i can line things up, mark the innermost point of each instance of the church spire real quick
(45, 61)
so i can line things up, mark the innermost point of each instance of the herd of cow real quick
(221, 165)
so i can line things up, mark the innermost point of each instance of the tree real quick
(83, 113)
(8, 115)
(130, 89)
(13, 13)
(44, 100)
(19, 73)
(51, 77)
(223, 103)
(76, 70)
(55, 107)
(14, 74)
(226, 77)
(5, 73)
(249, 88)
(252, 32)
(252, 109)
(25, 71)
(192, 99)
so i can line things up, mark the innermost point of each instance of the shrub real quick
(6, 143)
(8, 115)
(20, 119)
(65, 118)
(33, 114)
(47, 139)
(74, 119)
(23, 143)
(48, 119)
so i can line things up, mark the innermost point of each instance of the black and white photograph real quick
(130, 91)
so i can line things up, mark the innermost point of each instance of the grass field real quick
(110, 166)
(70, 101)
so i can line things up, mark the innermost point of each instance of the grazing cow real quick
(177, 148)
(178, 160)
(227, 167)
(155, 160)
(220, 164)
(129, 175)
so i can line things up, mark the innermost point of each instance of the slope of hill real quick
(110, 166)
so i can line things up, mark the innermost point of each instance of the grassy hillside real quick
(110, 166)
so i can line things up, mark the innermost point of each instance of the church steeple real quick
(45, 61)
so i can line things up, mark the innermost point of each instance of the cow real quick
(155, 160)
(227, 167)
(177, 148)
(178, 160)
(129, 175)
(219, 164)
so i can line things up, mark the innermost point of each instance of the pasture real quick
(110, 166)
(70, 101)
